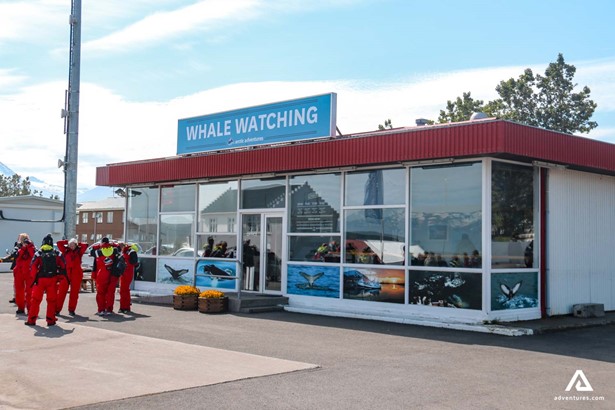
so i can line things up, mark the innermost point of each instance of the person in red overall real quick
(46, 265)
(129, 252)
(72, 251)
(105, 253)
(23, 253)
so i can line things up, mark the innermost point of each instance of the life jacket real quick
(49, 264)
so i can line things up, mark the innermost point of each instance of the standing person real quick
(129, 253)
(105, 255)
(209, 248)
(22, 253)
(248, 252)
(72, 251)
(46, 265)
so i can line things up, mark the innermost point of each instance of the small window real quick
(84, 237)
(84, 217)
(110, 217)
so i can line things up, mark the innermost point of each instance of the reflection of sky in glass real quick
(143, 204)
(446, 189)
(394, 190)
(327, 186)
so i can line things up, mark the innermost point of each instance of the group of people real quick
(472, 260)
(58, 273)
(219, 250)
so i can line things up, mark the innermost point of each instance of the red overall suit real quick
(130, 256)
(104, 256)
(44, 282)
(74, 272)
(21, 276)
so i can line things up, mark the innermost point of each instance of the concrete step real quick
(262, 309)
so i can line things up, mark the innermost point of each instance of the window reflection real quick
(315, 248)
(142, 216)
(315, 203)
(176, 234)
(512, 216)
(375, 236)
(177, 198)
(446, 216)
(263, 193)
(376, 187)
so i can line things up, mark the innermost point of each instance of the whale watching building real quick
(483, 220)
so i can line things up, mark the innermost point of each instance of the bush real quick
(211, 294)
(186, 290)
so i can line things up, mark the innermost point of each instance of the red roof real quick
(491, 137)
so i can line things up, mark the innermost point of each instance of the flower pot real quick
(213, 305)
(185, 302)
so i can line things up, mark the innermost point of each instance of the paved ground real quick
(360, 364)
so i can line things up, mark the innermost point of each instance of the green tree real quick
(387, 125)
(461, 109)
(547, 101)
(14, 185)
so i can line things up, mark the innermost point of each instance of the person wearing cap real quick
(22, 255)
(209, 247)
(46, 265)
(105, 253)
(73, 252)
(129, 253)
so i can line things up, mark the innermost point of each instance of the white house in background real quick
(34, 215)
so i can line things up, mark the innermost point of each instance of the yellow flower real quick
(186, 290)
(211, 294)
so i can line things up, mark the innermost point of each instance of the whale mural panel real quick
(175, 271)
(378, 285)
(310, 280)
(216, 274)
(462, 290)
(514, 290)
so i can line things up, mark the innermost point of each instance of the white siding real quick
(580, 240)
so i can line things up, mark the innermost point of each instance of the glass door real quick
(261, 252)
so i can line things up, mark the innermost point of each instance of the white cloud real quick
(31, 20)
(113, 129)
(164, 25)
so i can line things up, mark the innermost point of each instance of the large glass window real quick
(376, 187)
(217, 230)
(142, 218)
(375, 236)
(178, 198)
(263, 193)
(446, 216)
(512, 216)
(315, 203)
(176, 234)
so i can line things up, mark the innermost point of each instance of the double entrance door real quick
(262, 237)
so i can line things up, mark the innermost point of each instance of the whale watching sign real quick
(285, 121)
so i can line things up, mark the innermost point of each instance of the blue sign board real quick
(286, 121)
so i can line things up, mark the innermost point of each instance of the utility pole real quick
(71, 124)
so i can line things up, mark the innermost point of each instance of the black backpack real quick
(49, 265)
(119, 265)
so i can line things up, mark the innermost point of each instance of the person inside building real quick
(129, 253)
(106, 254)
(22, 253)
(72, 251)
(47, 264)
(209, 247)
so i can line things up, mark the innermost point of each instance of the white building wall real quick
(580, 240)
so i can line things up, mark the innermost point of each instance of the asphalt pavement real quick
(160, 358)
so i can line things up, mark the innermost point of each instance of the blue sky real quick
(147, 63)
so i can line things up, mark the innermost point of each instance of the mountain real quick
(48, 190)
(6, 171)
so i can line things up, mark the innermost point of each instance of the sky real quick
(145, 64)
